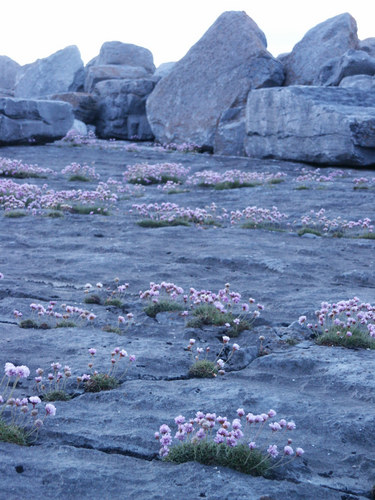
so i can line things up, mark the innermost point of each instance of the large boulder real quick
(83, 104)
(322, 43)
(216, 74)
(230, 133)
(368, 45)
(8, 73)
(164, 69)
(353, 62)
(125, 54)
(362, 82)
(37, 121)
(62, 71)
(325, 125)
(122, 109)
(96, 74)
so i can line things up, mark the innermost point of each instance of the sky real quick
(33, 29)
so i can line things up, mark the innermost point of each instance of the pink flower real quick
(50, 409)
(225, 339)
(299, 452)
(302, 320)
(34, 400)
(164, 429)
(271, 413)
(272, 450)
(288, 450)
(240, 412)
(235, 347)
(179, 420)
(132, 358)
(22, 371)
(92, 351)
(10, 369)
(1, 276)
(121, 319)
(290, 426)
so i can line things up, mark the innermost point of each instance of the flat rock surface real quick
(100, 445)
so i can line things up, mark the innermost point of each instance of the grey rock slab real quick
(230, 133)
(215, 75)
(8, 73)
(329, 39)
(332, 126)
(84, 104)
(361, 82)
(25, 120)
(60, 72)
(96, 74)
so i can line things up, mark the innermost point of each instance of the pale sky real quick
(33, 29)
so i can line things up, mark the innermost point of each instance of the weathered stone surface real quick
(125, 54)
(95, 439)
(96, 74)
(353, 62)
(24, 120)
(215, 75)
(368, 45)
(8, 72)
(230, 133)
(164, 69)
(83, 104)
(121, 109)
(327, 40)
(312, 124)
(361, 82)
(60, 72)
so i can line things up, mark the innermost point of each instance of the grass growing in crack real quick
(367, 236)
(221, 186)
(162, 306)
(29, 323)
(238, 458)
(58, 395)
(112, 329)
(54, 214)
(15, 214)
(255, 225)
(203, 369)
(79, 178)
(65, 324)
(208, 314)
(357, 339)
(93, 299)
(100, 382)
(151, 223)
(89, 210)
(11, 433)
(113, 302)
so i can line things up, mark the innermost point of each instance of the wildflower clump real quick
(96, 381)
(162, 297)
(232, 179)
(78, 172)
(159, 173)
(205, 368)
(45, 317)
(16, 168)
(348, 323)
(258, 218)
(109, 295)
(53, 386)
(317, 222)
(20, 418)
(215, 440)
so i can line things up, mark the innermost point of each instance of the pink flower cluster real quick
(316, 176)
(16, 168)
(75, 138)
(171, 211)
(220, 363)
(319, 220)
(49, 314)
(212, 178)
(56, 379)
(243, 429)
(258, 216)
(344, 316)
(81, 170)
(117, 355)
(363, 182)
(144, 173)
(185, 147)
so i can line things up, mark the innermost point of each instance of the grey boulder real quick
(96, 74)
(353, 62)
(125, 54)
(368, 45)
(216, 74)
(230, 133)
(327, 40)
(23, 121)
(164, 69)
(8, 73)
(362, 82)
(84, 105)
(62, 71)
(322, 125)
(122, 109)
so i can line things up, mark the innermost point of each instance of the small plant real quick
(309, 230)
(15, 214)
(169, 214)
(20, 419)
(319, 223)
(162, 306)
(348, 323)
(47, 317)
(150, 223)
(235, 444)
(233, 179)
(204, 368)
(160, 173)
(19, 170)
(109, 295)
(53, 388)
(83, 173)
(163, 297)
(96, 382)
(124, 323)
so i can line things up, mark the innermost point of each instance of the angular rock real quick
(121, 109)
(230, 133)
(312, 124)
(8, 73)
(125, 54)
(62, 71)
(368, 45)
(353, 62)
(84, 104)
(361, 82)
(327, 40)
(216, 74)
(164, 69)
(96, 74)
(23, 121)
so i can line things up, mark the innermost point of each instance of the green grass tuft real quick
(54, 214)
(65, 324)
(162, 306)
(100, 382)
(93, 299)
(11, 433)
(112, 329)
(221, 186)
(239, 458)
(113, 302)
(153, 180)
(162, 223)
(309, 230)
(80, 178)
(57, 396)
(203, 369)
(359, 339)
(87, 210)
(15, 214)
(367, 236)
